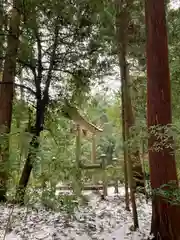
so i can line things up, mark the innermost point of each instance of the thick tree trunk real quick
(6, 92)
(165, 216)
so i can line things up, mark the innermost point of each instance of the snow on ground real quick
(100, 220)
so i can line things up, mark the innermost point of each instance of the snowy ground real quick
(100, 220)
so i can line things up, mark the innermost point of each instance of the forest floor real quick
(100, 220)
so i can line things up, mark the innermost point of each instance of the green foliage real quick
(174, 58)
(54, 161)
(68, 47)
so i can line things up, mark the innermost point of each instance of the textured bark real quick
(6, 92)
(165, 217)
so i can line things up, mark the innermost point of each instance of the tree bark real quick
(127, 134)
(165, 216)
(125, 154)
(138, 175)
(122, 38)
(122, 19)
(6, 92)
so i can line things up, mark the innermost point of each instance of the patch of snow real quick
(99, 220)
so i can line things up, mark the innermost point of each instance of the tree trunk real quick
(122, 35)
(6, 92)
(165, 216)
(122, 20)
(116, 188)
(104, 176)
(144, 169)
(138, 175)
(125, 154)
(127, 134)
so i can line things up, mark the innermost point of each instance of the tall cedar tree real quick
(6, 91)
(165, 216)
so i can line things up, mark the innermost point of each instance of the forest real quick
(89, 129)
